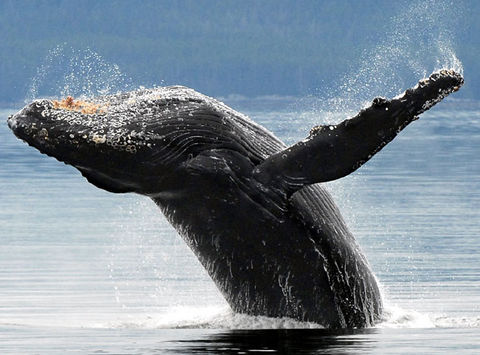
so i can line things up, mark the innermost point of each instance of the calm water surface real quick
(86, 271)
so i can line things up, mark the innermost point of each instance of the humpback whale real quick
(252, 210)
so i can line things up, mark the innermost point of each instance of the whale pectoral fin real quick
(332, 152)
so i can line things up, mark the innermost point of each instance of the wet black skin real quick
(252, 210)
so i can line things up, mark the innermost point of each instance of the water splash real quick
(76, 72)
(148, 248)
(417, 42)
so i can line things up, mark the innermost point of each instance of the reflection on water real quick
(294, 341)
(44, 340)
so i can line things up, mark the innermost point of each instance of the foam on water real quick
(221, 317)
(215, 317)
(211, 317)
(397, 317)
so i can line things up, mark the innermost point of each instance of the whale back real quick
(188, 122)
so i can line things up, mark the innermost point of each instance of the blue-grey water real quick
(86, 271)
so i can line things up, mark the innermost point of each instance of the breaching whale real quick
(251, 209)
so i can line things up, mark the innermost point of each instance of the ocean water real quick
(86, 271)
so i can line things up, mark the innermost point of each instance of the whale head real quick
(131, 142)
(106, 150)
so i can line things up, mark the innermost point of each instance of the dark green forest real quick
(221, 47)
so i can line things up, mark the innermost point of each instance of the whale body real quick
(252, 210)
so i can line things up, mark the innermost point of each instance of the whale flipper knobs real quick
(272, 240)
(331, 152)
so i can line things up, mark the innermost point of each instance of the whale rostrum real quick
(252, 210)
